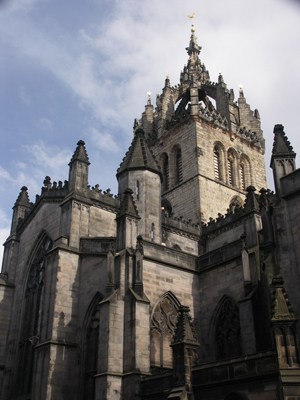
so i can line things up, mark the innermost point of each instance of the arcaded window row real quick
(231, 168)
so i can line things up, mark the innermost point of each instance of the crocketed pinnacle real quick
(281, 145)
(194, 71)
(128, 206)
(139, 156)
(80, 153)
(184, 331)
(251, 202)
(23, 198)
(281, 306)
(193, 46)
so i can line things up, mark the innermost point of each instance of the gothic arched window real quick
(165, 171)
(245, 172)
(91, 353)
(163, 322)
(232, 168)
(227, 330)
(166, 207)
(32, 315)
(235, 202)
(219, 157)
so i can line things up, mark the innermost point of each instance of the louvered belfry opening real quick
(165, 168)
(217, 164)
(242, 174)
(179, 166)
(229, 164)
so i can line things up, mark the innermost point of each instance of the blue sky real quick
(81, 69)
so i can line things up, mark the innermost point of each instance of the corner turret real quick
(140, 172)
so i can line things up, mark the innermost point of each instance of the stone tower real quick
(210, 147)
(108, 297)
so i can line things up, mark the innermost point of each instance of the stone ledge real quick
(56, 343)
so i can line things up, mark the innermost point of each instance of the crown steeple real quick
(193, 48)
(194, 71)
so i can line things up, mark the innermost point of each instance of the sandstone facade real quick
(174, 289)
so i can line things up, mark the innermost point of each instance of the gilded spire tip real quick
(191, 17)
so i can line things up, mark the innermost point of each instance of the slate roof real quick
(139, 156)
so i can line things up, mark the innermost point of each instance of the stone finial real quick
(80, 153)
(220, 78)
(139, 245)
(47, 183)
(23, 198)
(251, 203)
(241, 91)
(263, 200)
(135, 124)
(149, 98)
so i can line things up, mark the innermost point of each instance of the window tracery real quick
(91, 354)
(228, 332)
(163, 322)
(32, 316)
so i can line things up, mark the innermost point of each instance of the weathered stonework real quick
(172, 289)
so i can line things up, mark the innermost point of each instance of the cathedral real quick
(183, 286)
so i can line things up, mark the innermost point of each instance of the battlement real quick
(180, 225)
(105, 197)
(235, 215)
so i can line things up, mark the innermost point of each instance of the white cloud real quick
(4, 230)
(103, 140)
(109, 68)
(49, 157)
(14, 6)
(44, 124)
(5, 174)
(24, 96)
(21, 165)
(19, 178)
